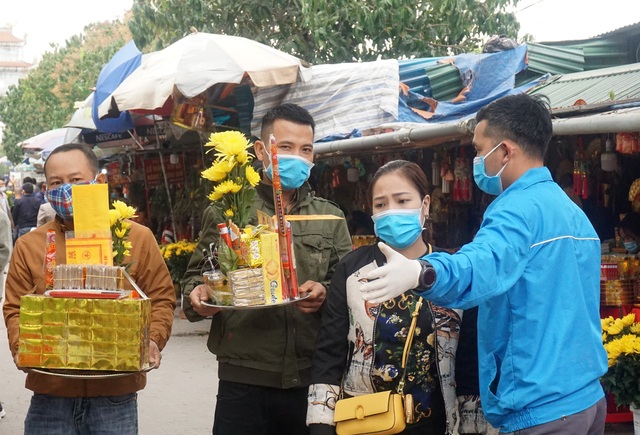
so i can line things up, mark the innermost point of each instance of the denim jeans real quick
(23, 231)
(111, 415)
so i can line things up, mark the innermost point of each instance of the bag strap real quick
(407, 344)
(410, 335)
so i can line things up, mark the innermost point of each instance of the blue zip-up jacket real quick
(534, 271)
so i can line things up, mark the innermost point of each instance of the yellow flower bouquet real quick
(234, 177)
(120, 229)
(234, 189)
(621, 338)
(176, 256)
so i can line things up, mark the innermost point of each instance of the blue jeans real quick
(23, 231)
(111, 415)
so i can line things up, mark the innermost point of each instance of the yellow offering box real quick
(84, 334)
(271, 268)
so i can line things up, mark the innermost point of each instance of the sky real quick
(557, 20)
(47, 21)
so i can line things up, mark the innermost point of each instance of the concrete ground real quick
(179, 397)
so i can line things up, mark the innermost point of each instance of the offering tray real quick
(255, 307)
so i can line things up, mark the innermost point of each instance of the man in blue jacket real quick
(533, 269)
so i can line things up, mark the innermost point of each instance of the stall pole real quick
(166, 182)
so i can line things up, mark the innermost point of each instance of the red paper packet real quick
(50, 259)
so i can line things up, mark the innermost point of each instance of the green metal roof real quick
(598, 52)
(616, 85)
(555, 60)
(445, 81)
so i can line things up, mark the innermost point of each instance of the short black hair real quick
(521, 118)
(27, 188)
(288, 112)
(88, 153)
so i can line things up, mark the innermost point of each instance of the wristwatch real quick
(427, 276)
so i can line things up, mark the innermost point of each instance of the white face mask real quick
(3, 189)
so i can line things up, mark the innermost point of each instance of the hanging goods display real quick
(435, 171)
(446, 173)
(580, 178)
(462, 183)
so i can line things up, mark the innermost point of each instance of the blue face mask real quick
(294, 170)
(398, 228)
(489, 184)
(631, 246)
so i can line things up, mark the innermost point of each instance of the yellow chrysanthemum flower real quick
(228, 143)
(227, 187)
(228, 213)
(615, 329)
(125, 211)
(127, 245)
(243, 157)
(252, 176)
(606, 322)
(120, 232)
(628, 319)
(113, 217)
(214, 196)
(218, 171)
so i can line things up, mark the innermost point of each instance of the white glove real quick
(394, 278)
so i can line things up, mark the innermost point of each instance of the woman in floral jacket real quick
(359, 345)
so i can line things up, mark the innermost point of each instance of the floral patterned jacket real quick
(360, 345)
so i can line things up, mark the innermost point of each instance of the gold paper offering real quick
(85, 333)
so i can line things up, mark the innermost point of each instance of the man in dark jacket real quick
(25, 211)
(264, 356)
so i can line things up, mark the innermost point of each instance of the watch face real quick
(431, 276)
(428, 276)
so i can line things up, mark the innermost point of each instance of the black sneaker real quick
(2, 412)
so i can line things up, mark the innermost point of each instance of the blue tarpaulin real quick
(485, 77)
(123, 63)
